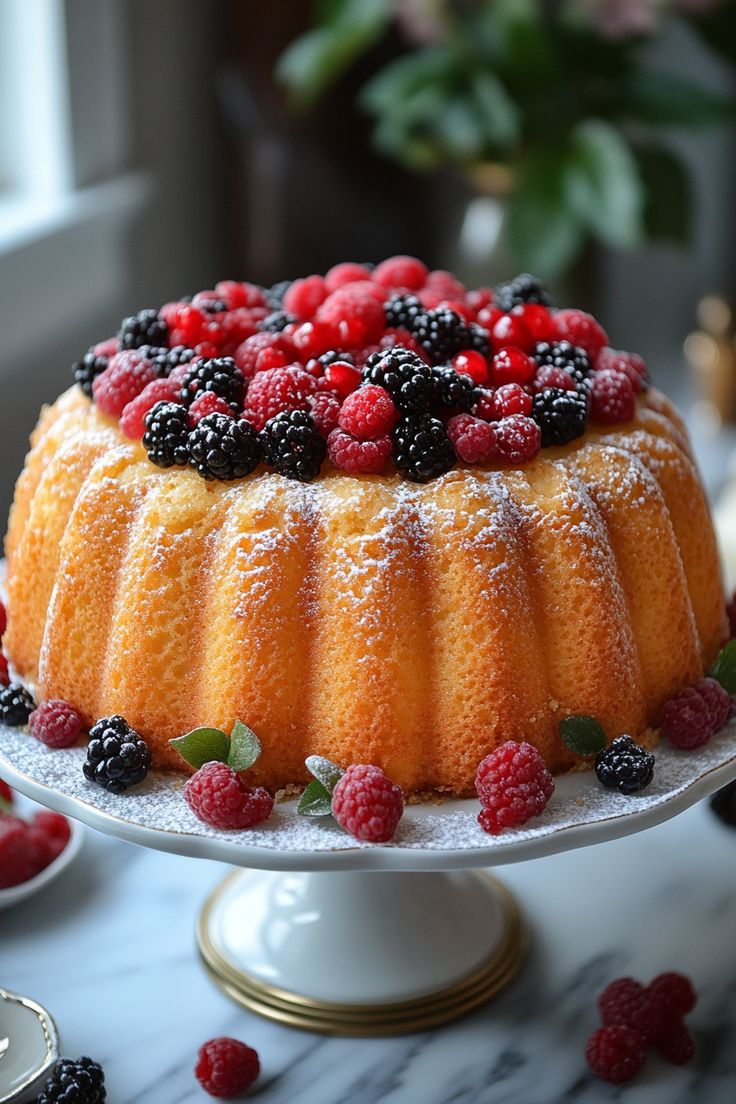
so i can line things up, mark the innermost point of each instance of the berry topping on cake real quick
(632, 366)
(474, 440)
(422, 449)
(226, 1067)
(624, 766)
(453, 391)
(356, 456)
(124, 378)
(166, 434)
(3, 620)
(513, 785)
(87, 370)
(695, 714)
(143, 328)
(368, 413)
(219, 796)
(581, 329)
(223, 447)
(472, 364)
(4, 672)
(303, 297)
(75, 1082)
(207, 402)
(278, 391)
(509, 399)
(512, 366)
(524, 289)
(560, 415)
(367, 804)
(16, 705)
(325, 410)
(293, 445)
(133, 418)
(442, 332)
(220, 375)
(402, 311)
(616, 1054)
(406, 377)
(563, 355)
(401, 271)
(612, 397)
(55, 723)
(518, 439)
(117, 756)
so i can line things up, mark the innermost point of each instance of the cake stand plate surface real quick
(322, 932)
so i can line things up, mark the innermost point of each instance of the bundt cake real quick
(377, 518)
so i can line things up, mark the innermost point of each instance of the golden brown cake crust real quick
(365, 618)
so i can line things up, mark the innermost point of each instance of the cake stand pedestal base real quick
(364, 953)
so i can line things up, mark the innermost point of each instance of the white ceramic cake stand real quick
(321, 932)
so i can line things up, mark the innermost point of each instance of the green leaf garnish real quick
(325, 771)
(203, 745)
(582, 734)
(315, 801)
(245, 747)
(724, 668)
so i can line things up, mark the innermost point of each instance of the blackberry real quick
(293, 445)
(224, 448)
(442, 332)
(88, 369)
(220, 375)
(422, 449)
(452, 390)
(335, 355)
(561, 354)
(723, 804)
(143, 328)
(212, 306)
(402, 311)
(275, 294)
(16, 705)
(624, 766)
(166, 433)
(277, 321)
(404, 375)
(561, 415)
(75, 1082)
(117, 756)
(165, 360)
(478, 339)
(523, 289)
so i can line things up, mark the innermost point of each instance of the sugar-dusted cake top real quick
(367, 367)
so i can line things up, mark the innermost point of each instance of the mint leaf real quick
(202, 745)
(582, 734)
(724, 668)
(315, 801)
(245, 747)
(325, 771)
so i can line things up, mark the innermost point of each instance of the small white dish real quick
(15, 894)
(29, 1048)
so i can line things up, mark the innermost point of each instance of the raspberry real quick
(401, 272)
(561, 354)
(80, 1082)
(367, 804)
(207, 402)
(303, 297)
(357, 303)
(186, 324)
(226, 1067)
(631, 364)
(133, 418)
(616, 1054)
(346, 273)
(325, 410)
(55, 723)
(368, 413)
(510, 399)
(238, 294)
(473, 439)
(117, 756)
(6, 794)
(523, 289)
(653, 1019)
(445, 284)
(356, 456)
(277, 390)
(238, 325)
(4, 672)
(399, 336)
(293, 445)
(676, 990)
(18, 860)
(557, 378)
(479, 298)
(624, 766)
(612, 398)
(473, 364)
(512, 366)
(221, 798)
(513, 785)
(581, 329)
(676, 1045)
(124, 378)
(690, 718)
(620, 1001)
(257, 353)
(56, 828)
(484, 405)
(3, 620)
(518, 439)
(342, 378)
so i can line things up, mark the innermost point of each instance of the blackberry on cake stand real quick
(319, 931)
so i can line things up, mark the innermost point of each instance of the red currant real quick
(473, 364)
(511, 365)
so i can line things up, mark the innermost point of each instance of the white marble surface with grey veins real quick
(109, 949)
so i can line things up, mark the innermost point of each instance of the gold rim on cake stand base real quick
(374, 1017)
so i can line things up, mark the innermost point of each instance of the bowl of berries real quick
(36, 845)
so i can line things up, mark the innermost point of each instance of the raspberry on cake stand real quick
(317, 930)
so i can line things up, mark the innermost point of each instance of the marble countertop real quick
(109, 949)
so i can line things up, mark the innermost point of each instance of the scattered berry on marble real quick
(624, 766)
(79, 1081)
(220, 797)
(612, 397)
(513, 785)
(518, 439)
(676, 989)
(117, 756)
(223, 447)
(473, 439)
(695, 714)
(293, 445)
(422, 450)
(166, 434)
(56, 723)
(620, 1001)
(226, 1067)
(677, 1045)
(616, 1054)
(367, 804)
(368, 413)
(16, 705)
(358, 457)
